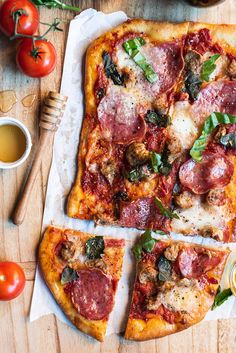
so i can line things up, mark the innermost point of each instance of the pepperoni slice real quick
(214, 171)
(156, 138)
(219, 96)
(92, 294)
(142, 214)
(121, 116)
(193, 264)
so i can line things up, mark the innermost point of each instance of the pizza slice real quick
(82, 275)
(203, 134)
(175, 286)
(131, 75)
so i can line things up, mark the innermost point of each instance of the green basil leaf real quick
(159, 119)
(139, 173)
(193, 85)
(68, 275)
(165, 211)
(210, 124)
(208, 67)
(155, 161)
(132, 47)
(229, 140)
(111, 70)
(94, 247)
(164, 267)
(221, 297)
(133, 44)
(159, 232)
(159, 165)
(146, 243)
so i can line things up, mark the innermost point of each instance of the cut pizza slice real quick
(175, 286)
(82, 275)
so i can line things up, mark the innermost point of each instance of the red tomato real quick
(28, 21)
(12, 280)
(38, 61)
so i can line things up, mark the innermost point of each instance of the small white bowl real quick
(12, 121)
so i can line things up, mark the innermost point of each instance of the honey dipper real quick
(53, 110)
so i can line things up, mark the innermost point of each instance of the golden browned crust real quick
(51, 268)
(156, 327)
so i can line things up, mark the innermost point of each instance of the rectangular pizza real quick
(157, 147)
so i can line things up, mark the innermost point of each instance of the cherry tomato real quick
(37, 61)
(28, 17)
(12, 280)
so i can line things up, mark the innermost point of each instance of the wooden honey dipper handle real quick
(52, 113)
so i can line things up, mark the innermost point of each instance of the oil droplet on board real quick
(29, 100)
(7, 100)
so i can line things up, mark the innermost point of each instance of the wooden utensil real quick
(52, 113)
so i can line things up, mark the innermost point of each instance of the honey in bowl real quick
(12, 143)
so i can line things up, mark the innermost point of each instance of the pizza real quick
(82, 271)
(157, 147)
(175, 286)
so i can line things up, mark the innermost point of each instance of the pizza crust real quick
(51, 268)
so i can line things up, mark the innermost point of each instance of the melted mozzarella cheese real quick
(199, 218)
(183, 299)
(183, 126)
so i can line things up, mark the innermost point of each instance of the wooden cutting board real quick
(19, 244)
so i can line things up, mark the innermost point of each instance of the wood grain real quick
(17, 334)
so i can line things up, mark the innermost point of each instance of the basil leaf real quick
(193, 85)
(94, 247)
(229, 140)
(221, 297)
(133, 44)
(68, 275)
(165, 211)
(132, 47)
(155, 161)
(210, 124)
(156, 118)
(159, 165)
(111, 70)
(159, 232)
(208, 67)
(145, 243)
(138, 173)
(164, 267)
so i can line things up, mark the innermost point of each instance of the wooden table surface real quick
(17, 334)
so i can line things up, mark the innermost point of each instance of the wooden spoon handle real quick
(21, 207)
(52, 113)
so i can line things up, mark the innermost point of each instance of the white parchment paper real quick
(84, 29)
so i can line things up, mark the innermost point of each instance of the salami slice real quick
(213, 172)
(219, 96)
(92, 294)
(167, 61)
(143, 214)
(121, 116)
(193, 264)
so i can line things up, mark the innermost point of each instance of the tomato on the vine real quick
(27, 13)
(12, 280)
(36, 60)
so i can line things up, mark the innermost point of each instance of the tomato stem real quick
(52, 27)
